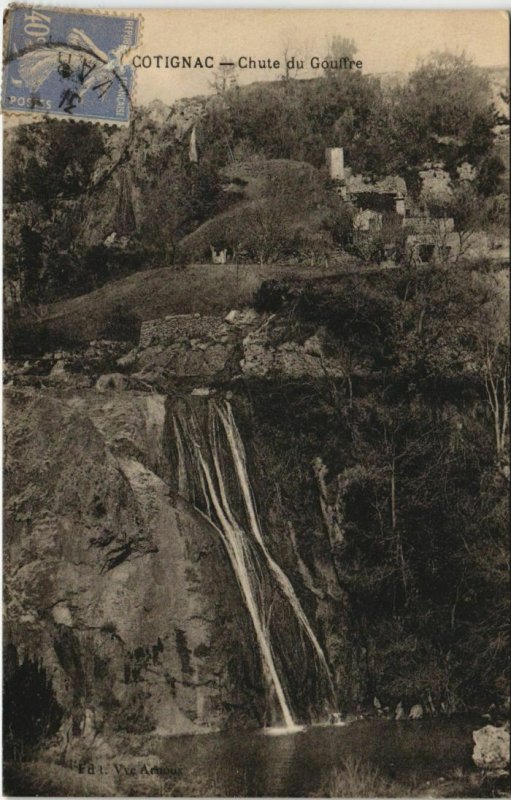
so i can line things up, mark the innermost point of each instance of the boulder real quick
(113, 381)
(416, 712)
(246, 316)
(491, 748)
(60, 376)
(129, 360)
(147, 378)
(59, 369)
(231, 316)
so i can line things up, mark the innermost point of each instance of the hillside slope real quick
(205, 289)
(153, 293)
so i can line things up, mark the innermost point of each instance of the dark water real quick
(253, 764)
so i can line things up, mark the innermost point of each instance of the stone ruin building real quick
(427, 239)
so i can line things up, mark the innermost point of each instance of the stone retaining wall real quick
(179, 327)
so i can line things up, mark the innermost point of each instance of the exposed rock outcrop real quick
(112, 381)
(194, 345)
(123, 591)
(491, 748)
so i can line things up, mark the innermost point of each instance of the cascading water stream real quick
(243, 547)
(238, 453)
(240, 557)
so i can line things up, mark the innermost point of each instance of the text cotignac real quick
(244, 63)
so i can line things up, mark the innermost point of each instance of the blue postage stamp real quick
(68, 63)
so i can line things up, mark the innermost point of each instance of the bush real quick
(123, 326)
(355, 778)
(26, 338)
(271, 296)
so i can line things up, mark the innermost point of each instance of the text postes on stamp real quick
(68, 63)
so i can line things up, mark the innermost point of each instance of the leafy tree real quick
(445, 111)
(489, 175)
(165, 221)
(264, 236)
(273, 223)
(451, 92)
(413, 476)
(53, 161)
(340, 47)
(48, 172)
(480, 136)
(466, 208)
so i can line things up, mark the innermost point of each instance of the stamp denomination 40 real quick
(69, 63)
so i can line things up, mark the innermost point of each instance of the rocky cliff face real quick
(116, 580)
(119, 587)
(244, 343)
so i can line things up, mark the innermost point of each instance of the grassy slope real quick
(153, 293)
(261, 178)
(197, 288)
(203, 288)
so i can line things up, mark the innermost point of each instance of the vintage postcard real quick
(256, 420)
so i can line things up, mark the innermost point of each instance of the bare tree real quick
(263, 231)
(225, 77)
(496, 379)
(340, 47)
(292, 53)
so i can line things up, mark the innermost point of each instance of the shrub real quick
(25, 338)
(271, 295)
(354, 778)
(123, 326)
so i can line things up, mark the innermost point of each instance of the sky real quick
(388, 41)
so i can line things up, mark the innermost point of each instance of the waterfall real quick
(245, 545)
(238, 452)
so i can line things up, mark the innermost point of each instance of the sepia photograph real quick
(255, 402)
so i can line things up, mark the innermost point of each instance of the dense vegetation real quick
(68, 186)
(413, 440)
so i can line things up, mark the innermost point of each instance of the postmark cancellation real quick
(69, 63)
